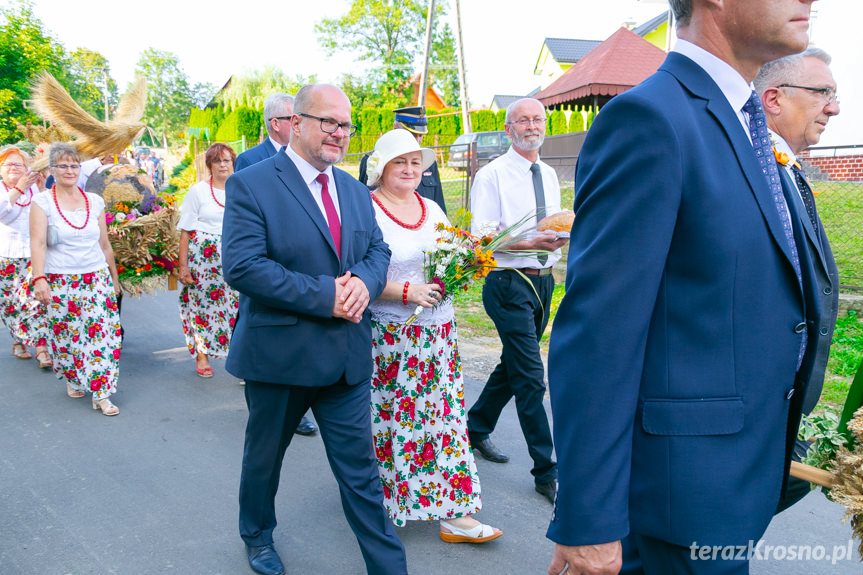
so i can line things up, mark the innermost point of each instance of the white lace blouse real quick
(407, 264)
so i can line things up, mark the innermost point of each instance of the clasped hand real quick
(352, 298)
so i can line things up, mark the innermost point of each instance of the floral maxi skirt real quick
(84, 331)
(209, 307)
(22, 315)
(418, 423)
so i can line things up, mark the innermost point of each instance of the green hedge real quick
(243, 121)
(557, 122)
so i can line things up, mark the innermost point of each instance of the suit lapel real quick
(793, 196)
(697, 81)
(290, 176)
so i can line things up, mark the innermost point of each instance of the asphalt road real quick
(154, 490)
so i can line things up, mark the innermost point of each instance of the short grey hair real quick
(682, 10)
(510, 110)
(274, 106)
(60, 150)
(786, 70)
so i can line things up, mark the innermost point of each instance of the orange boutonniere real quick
(783, 160)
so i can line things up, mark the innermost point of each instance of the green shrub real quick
(500, 120)
(243, 121)
(557, 122)
(576, 121)
(182, 181)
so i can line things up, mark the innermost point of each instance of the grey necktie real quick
(806, 194)
(539, 194)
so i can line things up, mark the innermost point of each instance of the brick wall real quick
(837, 169)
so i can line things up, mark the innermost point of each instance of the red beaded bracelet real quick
(405, 293)
(37, 278)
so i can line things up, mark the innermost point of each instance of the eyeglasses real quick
(281, 118)
(224, 161)
(829, 94)
(525, 122)
(330, 126)
(13, 165)
(72, 167)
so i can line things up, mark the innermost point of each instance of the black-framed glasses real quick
(525, 122)
(829, 93)
(330, 126)
(286, 118)
(72, 167)
(223, 161)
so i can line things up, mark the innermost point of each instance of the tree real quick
(25, 50)
(442, 66)
(169, 96)
(389, 34)
(88, 73)
(254, 87)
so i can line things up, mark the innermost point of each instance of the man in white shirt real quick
(512, 188)
(799, 97)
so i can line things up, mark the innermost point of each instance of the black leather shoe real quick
(306, 427)
(488, 450)
(547, 490)
(265, 560)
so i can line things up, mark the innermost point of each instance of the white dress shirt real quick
(502, 194)
(782, 147)
(199, 212)
(308, 172)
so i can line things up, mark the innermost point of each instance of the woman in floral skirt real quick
(208, 306)
(418, 417)
(75, 277)
(19, 310)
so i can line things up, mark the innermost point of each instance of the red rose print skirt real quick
(22, 315)
(84, 331)
(418, 423)
(209, 307)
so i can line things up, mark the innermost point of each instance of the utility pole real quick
(105, 86)
(462, 78)
(421, 97)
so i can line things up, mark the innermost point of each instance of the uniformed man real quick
(413, 119)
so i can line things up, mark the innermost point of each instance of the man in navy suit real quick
(304, 250)
(798, 93)
(278, 110)
(674, 368)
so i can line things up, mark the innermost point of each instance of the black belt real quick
(533, 271)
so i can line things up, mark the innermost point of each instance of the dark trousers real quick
(662, 558)
(343, 415)
(520, 321)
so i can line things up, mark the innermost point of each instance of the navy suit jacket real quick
(822, 298)
(672, 368)
(277, 251)
(254, 155)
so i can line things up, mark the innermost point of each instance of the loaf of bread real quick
(559, 222)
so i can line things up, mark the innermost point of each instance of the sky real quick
(502, 40)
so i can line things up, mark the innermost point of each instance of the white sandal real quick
(106, 407)
(477, 534)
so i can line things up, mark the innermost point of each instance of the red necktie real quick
(332, 215)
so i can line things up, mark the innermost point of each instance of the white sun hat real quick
(391, 145)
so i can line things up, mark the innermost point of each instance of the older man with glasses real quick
(512, 187)
(799, 97)
(278, 110)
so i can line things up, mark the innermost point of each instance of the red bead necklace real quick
(59, 211)
(212, 193)
(30, 199)
(415, 226)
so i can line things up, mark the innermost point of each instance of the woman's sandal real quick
(73, 393)
(204, 371)
(19, 350)
(44, 359)
(476, 534)
(106, 406)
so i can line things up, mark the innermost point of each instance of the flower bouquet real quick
(461, 258)
(142, 231)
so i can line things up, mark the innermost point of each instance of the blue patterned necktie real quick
(764, 154)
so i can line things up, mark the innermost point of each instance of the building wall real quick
(838, 168)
